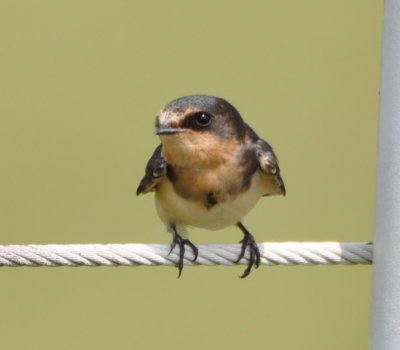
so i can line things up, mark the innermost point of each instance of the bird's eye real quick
(203, 119)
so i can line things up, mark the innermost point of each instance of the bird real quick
(209, 171)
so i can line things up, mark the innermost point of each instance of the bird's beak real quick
(168, 131)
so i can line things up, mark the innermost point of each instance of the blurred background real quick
(81, 83)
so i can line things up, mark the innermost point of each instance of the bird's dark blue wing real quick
(269, 164)
(156, 169)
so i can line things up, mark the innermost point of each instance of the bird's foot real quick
(181, 242)
(254, 258)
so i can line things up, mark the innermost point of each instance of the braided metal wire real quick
(285, 253)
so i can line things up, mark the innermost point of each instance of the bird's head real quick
(198, 125)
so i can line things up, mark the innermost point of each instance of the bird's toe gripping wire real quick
(179, 241)
(254, 257)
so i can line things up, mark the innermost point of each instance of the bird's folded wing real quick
(156, 169)
(269, 163)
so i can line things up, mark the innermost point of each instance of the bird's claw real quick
(181, 242)
(254, 258)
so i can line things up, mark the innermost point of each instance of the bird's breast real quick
(172, 207)
(207, 186)
(212, 186)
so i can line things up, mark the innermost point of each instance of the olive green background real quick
(80, 85)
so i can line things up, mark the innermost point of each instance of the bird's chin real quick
(177, 148)
(169, 139)
(175, 139)
(172, 140)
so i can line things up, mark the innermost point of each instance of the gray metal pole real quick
(385, 324)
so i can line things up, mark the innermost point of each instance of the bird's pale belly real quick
(172, 208)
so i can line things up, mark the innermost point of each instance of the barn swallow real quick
(209, 171)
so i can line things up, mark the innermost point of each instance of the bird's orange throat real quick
(195, 149)
(203, 165)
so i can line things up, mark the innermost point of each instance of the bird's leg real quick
(248, 241)
(178, 240)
